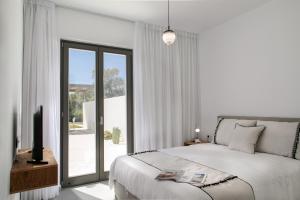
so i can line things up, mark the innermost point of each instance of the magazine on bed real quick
(196, 178)
(170, 174)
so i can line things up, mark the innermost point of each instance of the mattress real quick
(270, 176)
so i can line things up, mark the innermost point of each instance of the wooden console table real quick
(25, 176)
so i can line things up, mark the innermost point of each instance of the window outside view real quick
(115, 117)
(82, 110)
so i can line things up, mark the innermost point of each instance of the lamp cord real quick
(168, 14)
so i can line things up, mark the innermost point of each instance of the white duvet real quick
(271, 177)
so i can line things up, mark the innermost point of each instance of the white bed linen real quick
(272, 177)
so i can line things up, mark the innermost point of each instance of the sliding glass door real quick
(96, 110)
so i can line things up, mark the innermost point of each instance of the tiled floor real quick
(96, 191)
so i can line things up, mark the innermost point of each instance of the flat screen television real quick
(37, 150)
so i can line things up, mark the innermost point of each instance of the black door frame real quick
(99, 49)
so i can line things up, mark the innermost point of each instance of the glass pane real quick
(82, 116)
(115, 122)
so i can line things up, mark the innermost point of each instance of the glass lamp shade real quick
(169, 37)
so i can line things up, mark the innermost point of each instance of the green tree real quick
(76, 100)
(114, 85)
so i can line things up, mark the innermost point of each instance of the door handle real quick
(101, 120)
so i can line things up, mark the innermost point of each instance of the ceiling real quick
(193, 16)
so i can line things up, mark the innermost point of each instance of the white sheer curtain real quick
(41, 79)
(166, 88)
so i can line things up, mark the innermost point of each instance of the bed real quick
(261, 176)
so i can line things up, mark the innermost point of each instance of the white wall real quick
(251, 64)
(11, 44)
(114, 115)
(92, 28)
(89, 115)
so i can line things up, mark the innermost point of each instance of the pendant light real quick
(169, 36)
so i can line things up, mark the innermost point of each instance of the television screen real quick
(37, 151)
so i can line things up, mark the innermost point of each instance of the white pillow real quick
(226, 127)
(247, 123)
(245, 138)
(277, 138)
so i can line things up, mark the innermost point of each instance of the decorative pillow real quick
(247, 123)
(278, 138)
(226, 127)
(245, 138)
(224, 131)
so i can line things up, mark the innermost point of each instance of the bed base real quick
(121, 193)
